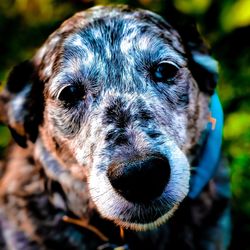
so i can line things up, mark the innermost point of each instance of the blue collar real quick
(210, 155)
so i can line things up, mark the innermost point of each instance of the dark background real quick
(25, 24)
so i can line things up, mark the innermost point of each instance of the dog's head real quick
(119, 98)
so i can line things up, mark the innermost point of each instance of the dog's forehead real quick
(110, 26)
(104, 40)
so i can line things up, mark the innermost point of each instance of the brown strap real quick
(83, 224)
(122, 233)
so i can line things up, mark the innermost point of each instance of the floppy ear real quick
(202, 65)
(22, 103)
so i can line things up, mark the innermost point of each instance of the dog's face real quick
(121, 111)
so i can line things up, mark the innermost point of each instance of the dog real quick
(118, 129)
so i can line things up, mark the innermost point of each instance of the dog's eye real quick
(165, 72)
(71, 94)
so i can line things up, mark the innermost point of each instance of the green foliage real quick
(5, 136)
(25, 24)
(192, 6)
(236, 14)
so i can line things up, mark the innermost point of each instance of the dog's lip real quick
(148, 225)
(144, 217)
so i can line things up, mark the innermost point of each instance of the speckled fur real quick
(124, 115)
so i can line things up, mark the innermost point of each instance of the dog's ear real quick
(202, 65)
(22, 103)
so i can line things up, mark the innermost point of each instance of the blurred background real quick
(224, 24)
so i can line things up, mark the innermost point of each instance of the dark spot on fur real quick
(21, 140)
(116, 114)
(56, 143)
(145, 115)
(55, 187)
(110, 135)
(30, 160)
(183, 100)
(118, 136)
(40, 207)
(154, 134)
(121, 139)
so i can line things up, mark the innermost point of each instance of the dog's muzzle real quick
(140, 181)
(142, 192)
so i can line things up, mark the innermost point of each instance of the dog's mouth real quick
(139, 222)
(141, 194)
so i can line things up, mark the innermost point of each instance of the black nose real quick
(140, 181)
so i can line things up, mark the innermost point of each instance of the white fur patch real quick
(78, 41)
(89, 57)
(108, 52)
(85, 53)
(126, 45)
(144, 43)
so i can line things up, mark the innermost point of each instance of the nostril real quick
(140, 181)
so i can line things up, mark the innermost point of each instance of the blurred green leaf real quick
(192, 6)
(4, 136)
(237, 125)
(236, 15)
